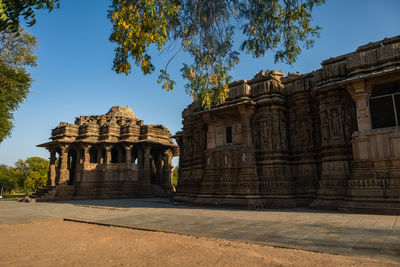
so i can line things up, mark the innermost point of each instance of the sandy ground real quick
(59, 243)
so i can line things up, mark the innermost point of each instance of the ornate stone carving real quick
(96, 160)
(299, 143)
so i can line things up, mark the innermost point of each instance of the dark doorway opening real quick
(93, 155)
(228, 135)
(114, 155)
(71, 166)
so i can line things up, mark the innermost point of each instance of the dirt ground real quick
(62, 243)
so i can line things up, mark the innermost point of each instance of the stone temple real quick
(329, 139)
(109, 156)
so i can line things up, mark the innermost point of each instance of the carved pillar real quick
(361, 146)
(146, 166)
(359, 93)
(86, 155)
(100, 159)
(178, 137)
(363, 118)
(337, 117)
(158, 162)
(246, 114)
(63, 172)
(51, 176)
(207, 118)
(107, 160)
(140, 158)
(167, 174)
(128, 155)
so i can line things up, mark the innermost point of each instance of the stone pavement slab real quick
(375, 236)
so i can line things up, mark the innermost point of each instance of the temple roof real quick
(119, 111)
(118, 125)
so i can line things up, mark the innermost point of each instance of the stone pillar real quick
(359, 93)
(62, 170)
(146, 166)
(86, 155)
(363, 117)
(51, 176)
(128, 155)
(167, 174)
(140, 158)
(337, 116)
(100, 159)
(79, 156)
(361, 144)
(107, 160)
(247, 137)
(156, 167)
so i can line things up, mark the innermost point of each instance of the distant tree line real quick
(26, 175)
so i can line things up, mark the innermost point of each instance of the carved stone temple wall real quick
(109, 156)
(329, 139)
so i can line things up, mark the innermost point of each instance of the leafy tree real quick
(28, 175)
(35, 180)
(175, 176)
(12, 10)
(16, 52)
(205, 30)
(7, 178)
(31, 174)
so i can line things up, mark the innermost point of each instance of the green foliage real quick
(27, 175)
(7, 178)
(16, 52)
(12, 10)
(175, 176)
(34, 181)
(205, 30)
(32, 173)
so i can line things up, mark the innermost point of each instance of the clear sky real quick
(74, 75)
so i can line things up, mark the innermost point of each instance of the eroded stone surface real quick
(300, 140)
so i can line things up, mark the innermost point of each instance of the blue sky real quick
(74, 75)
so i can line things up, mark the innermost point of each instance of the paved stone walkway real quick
(375, 236)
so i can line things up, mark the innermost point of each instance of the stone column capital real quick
(168, 152)
(128, 147)
(147, 150)
(63, 148)
(358, 89)
(206, 117)
(86, 146)
(52, 149)
(52, 155)
(246, 111)
(108, 147)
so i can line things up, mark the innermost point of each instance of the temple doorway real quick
(71, 165)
